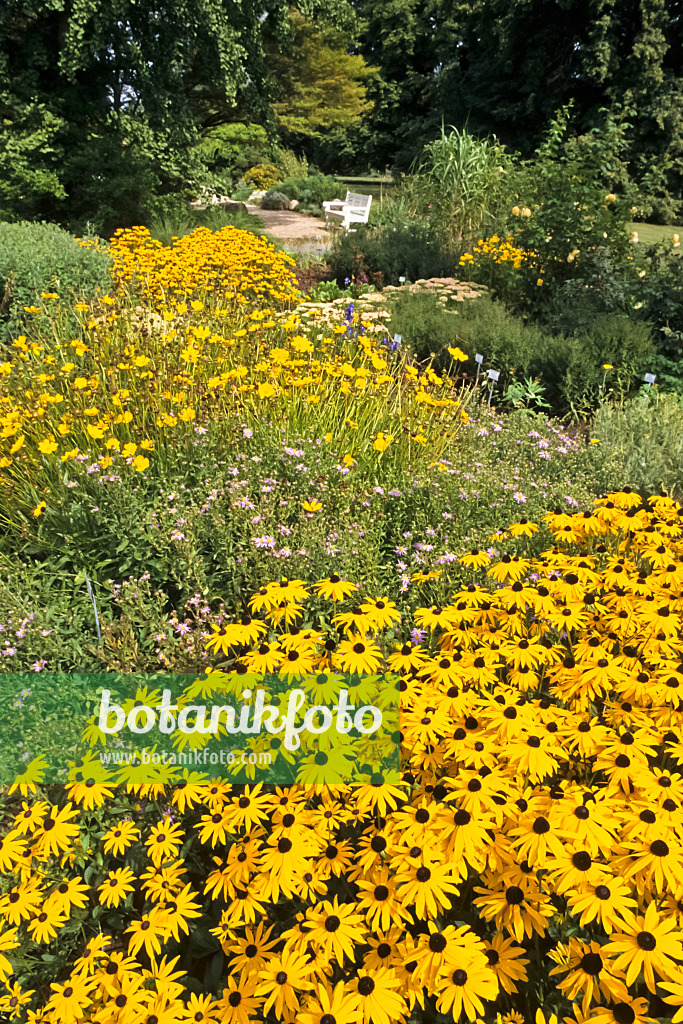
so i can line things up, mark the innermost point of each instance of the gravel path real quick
(288, 224)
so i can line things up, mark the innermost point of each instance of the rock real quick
(293, 203)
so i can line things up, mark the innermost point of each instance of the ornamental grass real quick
(529, 864)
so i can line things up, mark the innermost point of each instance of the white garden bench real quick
(355, 209)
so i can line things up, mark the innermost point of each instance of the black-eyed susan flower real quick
(333, 588)
(164, 841)
(589, 971)
(327, 1002)
(467, 986)
(336, 927)
(120, 837)
(148, 933)
(283, 980)
(116, 887)
(507, 961)
(606, 900)
(648, 943)
(69, 1000)
(377, 998)
(358, 655)
(239, 1002)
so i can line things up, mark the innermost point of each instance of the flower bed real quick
(530, 859)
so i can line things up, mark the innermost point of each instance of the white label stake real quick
(493, 376)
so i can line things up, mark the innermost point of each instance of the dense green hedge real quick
(37, 258)
(571, 368)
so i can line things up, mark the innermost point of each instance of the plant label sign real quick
(397, 339)
(401, 280)
(493, 374)
(479, 358)
(650, 378)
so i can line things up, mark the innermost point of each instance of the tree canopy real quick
(103, 102)
(320, 85)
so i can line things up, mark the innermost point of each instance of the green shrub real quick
(507, 343)
(569, 207)
(660, 293)
(382, 255)
(291, 165)
(275, 200)
(424, 325)
(313, 190)
(241, 192)
(37, 258)
(644, 437)
(230, 149)
(570, 368)
(578, 369)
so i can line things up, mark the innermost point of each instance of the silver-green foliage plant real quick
(526, 394)
(645, 437)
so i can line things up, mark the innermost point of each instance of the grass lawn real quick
(371, 185)
(650, 234)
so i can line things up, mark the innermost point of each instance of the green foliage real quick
(644, 436)
(241, 192)
(29, 157)
(313, 190)
(262, 176)
(570, 206)
(568, 369)
(526, 394)
(660, 294)
(328, 291)
(291, 165)
(458, 179)
(43, 601)
(579, 363)
(382, 254)
(37, 258)
(323, 85)
(229, 150)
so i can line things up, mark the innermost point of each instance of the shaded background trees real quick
(109, 108)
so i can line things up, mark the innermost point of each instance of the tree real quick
(321, 84)
(504, 67)
(114, 95)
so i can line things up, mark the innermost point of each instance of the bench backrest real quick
(358, 203)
